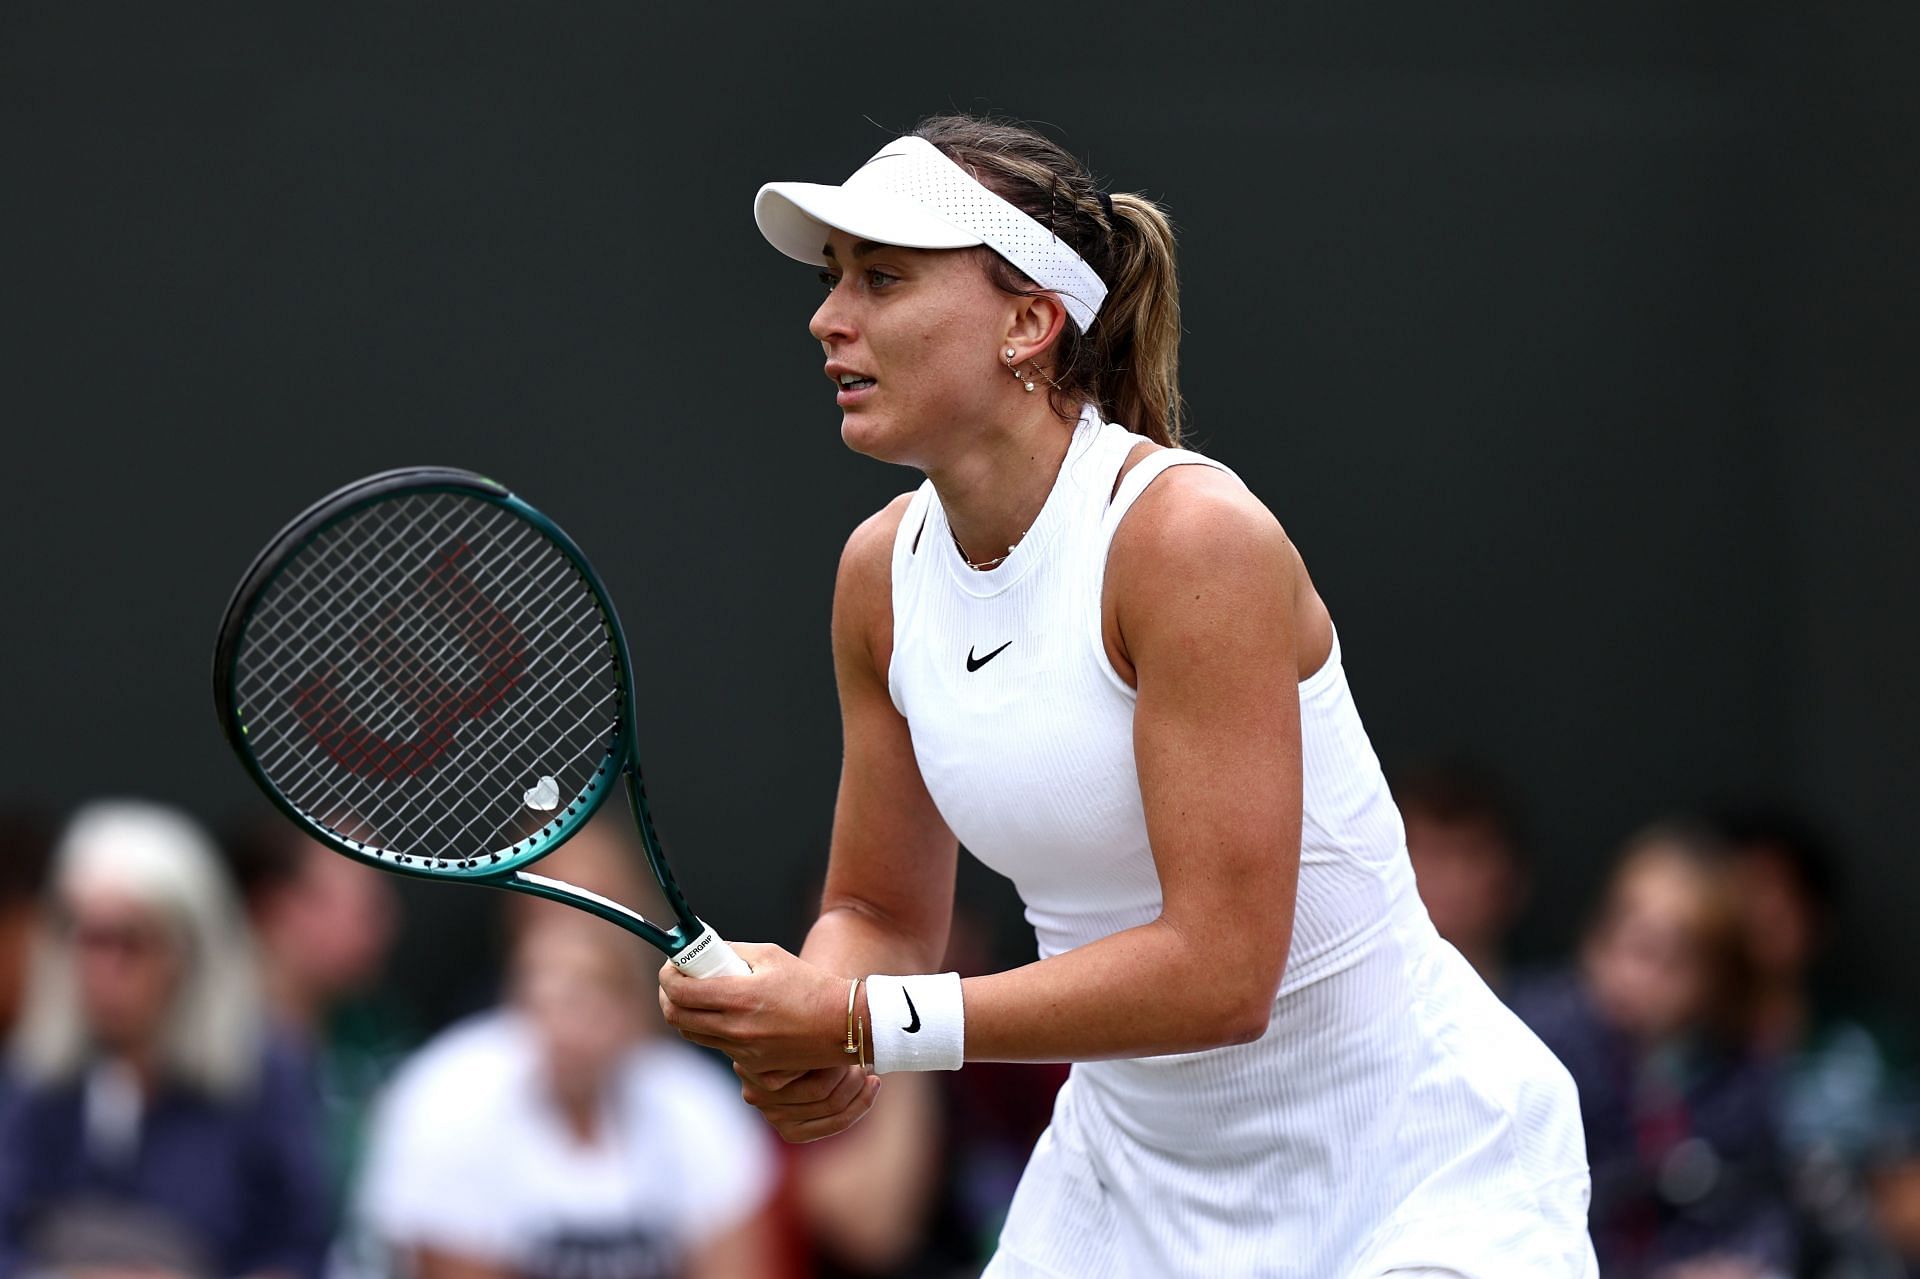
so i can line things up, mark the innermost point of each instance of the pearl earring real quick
(1016, 372)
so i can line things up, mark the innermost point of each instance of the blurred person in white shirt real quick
(560, 1137)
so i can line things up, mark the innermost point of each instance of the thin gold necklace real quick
(984, 565)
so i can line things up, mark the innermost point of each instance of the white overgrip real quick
(708, 956)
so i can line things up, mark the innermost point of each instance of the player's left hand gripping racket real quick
(424, 673)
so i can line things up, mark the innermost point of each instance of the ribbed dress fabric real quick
(1395, 1116)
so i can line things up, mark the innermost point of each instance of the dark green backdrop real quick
(1571, 343)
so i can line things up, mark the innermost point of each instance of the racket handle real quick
(708, 956)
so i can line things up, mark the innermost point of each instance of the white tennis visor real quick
(912, 195)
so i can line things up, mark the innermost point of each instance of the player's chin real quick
(873, 434)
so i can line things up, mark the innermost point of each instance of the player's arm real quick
(1204, 584)
(888, 900)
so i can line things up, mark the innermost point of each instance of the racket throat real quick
(604, 907)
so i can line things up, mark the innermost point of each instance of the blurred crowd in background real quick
(207, 1075)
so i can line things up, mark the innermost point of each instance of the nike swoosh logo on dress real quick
(975, 663)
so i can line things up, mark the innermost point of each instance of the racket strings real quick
(396, 714)
(391, 715)
(433, 671)
(431, 643)
(423, 679)
(294, 596)
(434, 646)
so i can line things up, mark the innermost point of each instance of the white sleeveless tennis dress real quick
(1394, 1118)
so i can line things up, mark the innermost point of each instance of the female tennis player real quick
(1096, 660)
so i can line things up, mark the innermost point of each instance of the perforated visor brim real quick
(796, 218)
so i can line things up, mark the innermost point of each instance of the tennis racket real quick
(424, 673)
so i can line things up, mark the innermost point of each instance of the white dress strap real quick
(1145, 472)
(906, 538)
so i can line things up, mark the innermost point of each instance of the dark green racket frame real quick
(495, 868)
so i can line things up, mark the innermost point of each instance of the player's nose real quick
(833, 319)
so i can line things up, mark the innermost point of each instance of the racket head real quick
(424, 673)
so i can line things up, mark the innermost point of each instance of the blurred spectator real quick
(862, 1198)
(156, 1128)
(1895, 1187)
(24, 843)
(324, 925)
(561, 1137)
(1463, 839)
(1840, 1103)
(1656, 1027)
(1836, 1073)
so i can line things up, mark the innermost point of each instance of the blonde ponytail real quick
(1138, 332)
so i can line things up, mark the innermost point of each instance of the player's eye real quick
(878, 279)
(829, 279)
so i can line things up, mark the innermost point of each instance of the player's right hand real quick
(812, 1105)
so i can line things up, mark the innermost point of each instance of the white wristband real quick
(916, 1023)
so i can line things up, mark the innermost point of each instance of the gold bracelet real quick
(862, 1023)
(853, 993)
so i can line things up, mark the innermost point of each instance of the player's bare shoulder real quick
(1199, 545)
(863, 588)
(867, 560)
(1197, 520)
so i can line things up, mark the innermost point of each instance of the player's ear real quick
(1035, 326)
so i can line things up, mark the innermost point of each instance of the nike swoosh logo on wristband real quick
(913, 1029)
